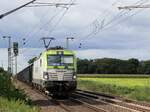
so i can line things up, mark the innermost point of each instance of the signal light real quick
(15, 48)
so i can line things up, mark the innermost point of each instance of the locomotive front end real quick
(60, 75)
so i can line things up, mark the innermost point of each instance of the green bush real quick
(8, 90)
(12, 99)
(15, 106)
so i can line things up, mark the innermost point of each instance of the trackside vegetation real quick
(12, 99)
(113, 76)
(127, 78)
(131, 88)
(113, 66)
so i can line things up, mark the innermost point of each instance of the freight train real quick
(53, 71)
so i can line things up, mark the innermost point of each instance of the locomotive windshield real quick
(55, 60)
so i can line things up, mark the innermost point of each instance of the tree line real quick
(113, 66)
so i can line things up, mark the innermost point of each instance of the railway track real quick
(75, 102)
(85, 101)
(132, 106)
(102, 103)
(54, 101)
(93, 107)
(94, 94)
(65, 104)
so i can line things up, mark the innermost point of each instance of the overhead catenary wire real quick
(48, 20)
(37, 28)
(116, 18)
(16, 9)
(47, 23)
(71, 2)
(40, 4)
(112, 21)
(27, 35)
(124, 13)
(119, 22)
(51, 19)
(66, 8)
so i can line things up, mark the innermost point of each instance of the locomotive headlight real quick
(45, 75)
(74, 76)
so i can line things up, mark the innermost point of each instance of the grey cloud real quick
(129, 35)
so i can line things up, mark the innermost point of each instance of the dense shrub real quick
(8, 90)
(12, 99)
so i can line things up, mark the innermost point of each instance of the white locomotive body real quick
(53, 71)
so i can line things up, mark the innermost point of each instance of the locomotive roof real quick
(56, 48)
(55, 52)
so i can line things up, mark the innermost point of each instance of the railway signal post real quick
(15, 50)
(9, 54)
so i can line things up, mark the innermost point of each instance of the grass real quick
(15, 106)
(113, 76)
(133, 88)
(12, 99)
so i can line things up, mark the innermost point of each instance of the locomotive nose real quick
(59, 75)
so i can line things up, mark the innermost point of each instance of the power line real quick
(40, 4)
(16, 9)
(40, 28)
(37, 25)
(36, 29)
(116, 18)
(70, 3)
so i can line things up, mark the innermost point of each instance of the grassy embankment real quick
(134, 87)
(11, 99)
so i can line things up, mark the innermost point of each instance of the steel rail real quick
(95, 108)
(117, 101)
(111, 104)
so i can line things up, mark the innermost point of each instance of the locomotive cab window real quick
(58, 60)
(53, 60)
(67, 59)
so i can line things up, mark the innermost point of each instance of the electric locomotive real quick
(53, 71)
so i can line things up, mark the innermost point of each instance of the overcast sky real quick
(114, 33)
